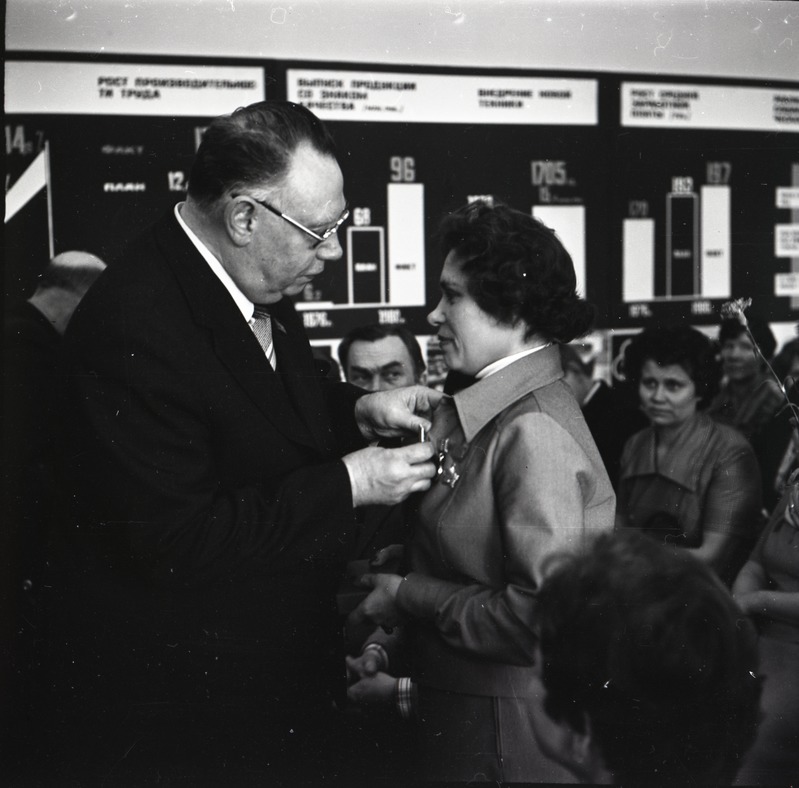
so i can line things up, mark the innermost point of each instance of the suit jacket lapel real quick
(296, 368)
(232, 339)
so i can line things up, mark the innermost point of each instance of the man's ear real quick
(240, 220)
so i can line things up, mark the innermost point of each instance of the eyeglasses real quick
(319, 238)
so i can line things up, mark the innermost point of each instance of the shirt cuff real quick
(406, 697)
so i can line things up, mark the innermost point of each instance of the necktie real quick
(262, 328)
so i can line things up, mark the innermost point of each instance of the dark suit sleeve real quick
(341, 399)
(176, 465)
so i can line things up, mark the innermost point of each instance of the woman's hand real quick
(768, 604)
(751, 602)
(380, 607)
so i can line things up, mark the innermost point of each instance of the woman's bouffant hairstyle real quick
(681, 345)
(517, 269)
(252, 147)
(648, 648)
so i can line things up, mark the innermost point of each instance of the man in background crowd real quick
(33, 390)
(380, 357)
(33, 384)
(608, 414)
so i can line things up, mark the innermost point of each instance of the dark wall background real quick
(611, 171)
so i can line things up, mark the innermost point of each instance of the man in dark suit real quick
(216, 473)
(33, 384)
(610, 414)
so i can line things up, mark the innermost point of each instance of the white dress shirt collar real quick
(242, 302)
(501, 363)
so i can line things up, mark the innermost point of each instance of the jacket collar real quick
(679, 464)
(481, 402)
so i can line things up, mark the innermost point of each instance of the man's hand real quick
(396, 412)
(389, 476)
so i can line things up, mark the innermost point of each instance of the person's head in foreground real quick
(507, 285)
(647, 670)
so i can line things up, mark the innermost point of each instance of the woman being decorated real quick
(520, 477)
(686, 480)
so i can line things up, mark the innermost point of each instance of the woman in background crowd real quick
(686, 480)
(767, 589)
(520, 477)
(748, 397)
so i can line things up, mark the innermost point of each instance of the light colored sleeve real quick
(543, 482)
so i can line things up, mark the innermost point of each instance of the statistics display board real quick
(708, 192)
(432, 158)
(671, 197)
(97, 151)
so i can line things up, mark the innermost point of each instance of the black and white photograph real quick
(400, 393)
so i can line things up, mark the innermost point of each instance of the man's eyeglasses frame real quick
(319, 238)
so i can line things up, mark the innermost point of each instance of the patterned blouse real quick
(751, 411)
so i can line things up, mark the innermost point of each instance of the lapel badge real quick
(447, 471)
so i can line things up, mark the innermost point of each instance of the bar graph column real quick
(568, 221)
(715, 242)
(406, 244)
(638, 260)
(367, 265)
(682, 265)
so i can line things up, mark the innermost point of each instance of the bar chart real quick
(695, 237)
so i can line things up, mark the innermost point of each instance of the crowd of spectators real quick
(698, 440)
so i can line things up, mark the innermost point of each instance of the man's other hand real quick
(389, 476)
